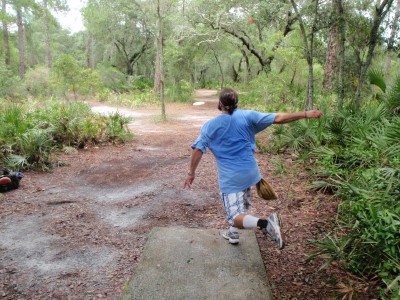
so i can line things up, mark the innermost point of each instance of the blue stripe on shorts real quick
(235, 204)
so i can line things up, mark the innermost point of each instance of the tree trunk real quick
(380, 13)
(330, 67)
(129, 69)
(235, 76)
(310, 87)
(246, 62)
(90, 58)
(5, 35)
(130, 59)
(21, 47)
(157, 73)
(47, 33)
(202, 77)
(220, 68)
(341, 59)
(160, 54)
(393, 32)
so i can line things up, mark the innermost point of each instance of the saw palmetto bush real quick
(30, 133)
(116, 128)
(23, 143)
(364, 171)
(357, 157)
(389, 95)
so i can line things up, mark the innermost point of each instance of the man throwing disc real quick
(231, 138)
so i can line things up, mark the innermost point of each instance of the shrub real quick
(29, 135)
(112, 78)
(357, 155)
(90, 83)
(181, 91)
(141, 83)
(7, 80)
(37, 82)
(67, 74)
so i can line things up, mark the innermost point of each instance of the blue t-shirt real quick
(232, 140)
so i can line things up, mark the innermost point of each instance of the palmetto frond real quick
(393, 98)
(390, 96)
(390, 173)
(16, 162)
(377, 78)
(35, 145)
(392, 136)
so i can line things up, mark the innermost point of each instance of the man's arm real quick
(282, 118)
(197, 154)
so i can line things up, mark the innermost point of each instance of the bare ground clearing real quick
(78, 233)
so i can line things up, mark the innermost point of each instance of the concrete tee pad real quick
(187, 263)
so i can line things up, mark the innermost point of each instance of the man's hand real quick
(194, 162)
(313, 114)
(188, 181)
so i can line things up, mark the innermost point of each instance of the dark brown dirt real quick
(78, 233)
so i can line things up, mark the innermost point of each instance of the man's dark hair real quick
(228, 99)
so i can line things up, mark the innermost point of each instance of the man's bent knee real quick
(238, 220)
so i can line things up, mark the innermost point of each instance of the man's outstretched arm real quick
(197, 154)
(282, 118)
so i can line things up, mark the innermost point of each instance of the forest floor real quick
(79, 232)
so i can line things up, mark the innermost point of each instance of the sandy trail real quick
(78, 233)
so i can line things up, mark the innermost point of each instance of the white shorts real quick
(236, 204)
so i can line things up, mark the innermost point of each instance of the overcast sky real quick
(72, 20)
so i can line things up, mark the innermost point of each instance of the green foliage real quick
(37, 82)
(29, 135)
(132, 99)
(68, 77)
(16, 162)
(35, 145)
(13, 120)
(276, 91)
(212, 85)
(393, 97)
(112, 78)
(141, 83)
(182, 91)
(333, 248)
(7, 79)
(280, 168)
(90, 82)
(357, 155)
(390, 96)
(24, 144)
(116, 128)
(377, 77)
(68, 73)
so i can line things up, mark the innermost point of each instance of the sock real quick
(262, 223)
(250, 221)
(233, 229)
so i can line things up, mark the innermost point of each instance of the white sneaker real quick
(274, 231)
(233, 237)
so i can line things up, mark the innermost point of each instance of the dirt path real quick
(78, 233)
